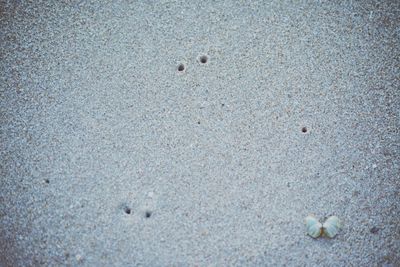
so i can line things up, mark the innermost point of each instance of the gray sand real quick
(97, 122)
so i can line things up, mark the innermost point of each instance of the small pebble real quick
(78, 257)
(374, 230)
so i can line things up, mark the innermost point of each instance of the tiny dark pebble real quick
(374, 230)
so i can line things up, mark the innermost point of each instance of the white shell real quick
(331, 226)
(314, 227)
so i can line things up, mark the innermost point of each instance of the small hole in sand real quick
(147, 214)
(127, 210)
(47, 181)
(181, 67)
(203, 59)
(304, 129)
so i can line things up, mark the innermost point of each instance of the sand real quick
(198, 133)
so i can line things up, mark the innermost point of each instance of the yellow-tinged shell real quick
(314, 227)
(331, 226)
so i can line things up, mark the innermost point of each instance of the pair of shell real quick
(329, 228)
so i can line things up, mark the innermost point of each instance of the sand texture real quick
(198, 133)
